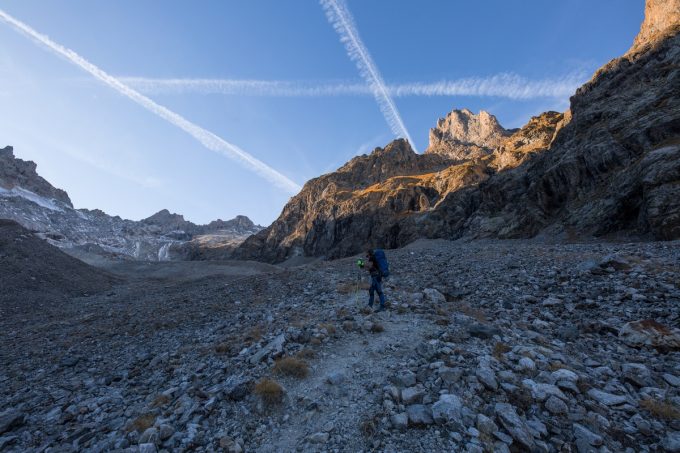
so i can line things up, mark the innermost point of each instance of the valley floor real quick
(486, 346)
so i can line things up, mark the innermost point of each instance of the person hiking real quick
(376, 280)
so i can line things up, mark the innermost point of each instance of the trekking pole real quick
(360, 265)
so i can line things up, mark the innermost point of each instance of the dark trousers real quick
(376, 286)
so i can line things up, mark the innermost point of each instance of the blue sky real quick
(110, 153)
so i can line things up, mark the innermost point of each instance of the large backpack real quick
(381, 260)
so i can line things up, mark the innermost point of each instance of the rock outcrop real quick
(463, 135)
(610, 165)
(17, 174)
(662, 20)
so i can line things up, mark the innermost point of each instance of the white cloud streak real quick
(341, 20)
(205, 137)
(504, 85)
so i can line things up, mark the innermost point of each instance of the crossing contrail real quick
(341, 19)
(205, 137)
(504, 85)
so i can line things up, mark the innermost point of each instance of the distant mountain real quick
(30, 200)
(610, 165)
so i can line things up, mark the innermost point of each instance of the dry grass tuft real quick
(269, 391)
(521, 398)
(377, 328)
(499, 349)
(254, 334)
(330, 328)
(341, 313)
(662, 409)
(346, 287)
(306, 354)
(368, 427)
(472, 312)
(442, 322)
(291, 366)
(160, 401)
(223, 348)
(142, 423)
(365, 310)
(315, 341)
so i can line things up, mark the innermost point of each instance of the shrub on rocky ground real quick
(377, 328)
(291, 366)
(160, 401)
(142, 423)
(662, 409)
(306, 354)
(499, 349)
(269, 391)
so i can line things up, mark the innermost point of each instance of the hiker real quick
(376, 278)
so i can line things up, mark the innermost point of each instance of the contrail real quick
(341, 19)
(504, 85)
(205, 137)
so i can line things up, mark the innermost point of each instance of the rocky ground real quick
(486, 346)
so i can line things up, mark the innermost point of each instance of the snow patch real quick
(164, 252)
(30, 196)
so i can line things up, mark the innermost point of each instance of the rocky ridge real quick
(606, 167)
(30, 200)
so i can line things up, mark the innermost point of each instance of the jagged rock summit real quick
(662, 20)
(463, 135)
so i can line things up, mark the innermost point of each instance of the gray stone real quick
(419, 414)
(555, 405)
(399, 421)
(237, 387)
(434, 297)
(671, 442)
(165, 431)
(672, 380)
(637, 373)
(147, 448)
(564, 375)
(514, 425)
(585, 439)
(405, 378)
(485, 424)
(6, 441)
(149, 436)
(484, 331)
(11, 419)
(448, 410)
(541, 392)
(274, 347)
(487, 377)
(525, 363)
(607, 399)
(450, 375)
(412, 395)
(335, 377)
(319, 438)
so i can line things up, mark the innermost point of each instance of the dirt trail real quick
(365, 362)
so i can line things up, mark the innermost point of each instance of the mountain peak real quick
(463, 135)
(18, 173)
(662, 18)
